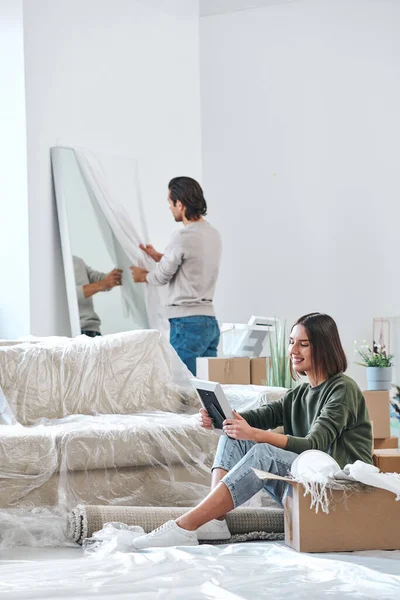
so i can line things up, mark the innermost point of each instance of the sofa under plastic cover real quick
(106, 420)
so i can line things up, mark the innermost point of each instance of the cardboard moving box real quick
(388, 460)
(224, 370)
(258, 371)
(367, 520)
(385, 443)
(378, 404)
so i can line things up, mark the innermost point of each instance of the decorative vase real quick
(379, 378)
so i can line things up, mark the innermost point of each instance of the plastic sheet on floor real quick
(34, 527)
(234, 572)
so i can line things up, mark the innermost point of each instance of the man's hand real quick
(103, 285)
(238, 428)
(151, 251)
(113, 278)
(138, 274)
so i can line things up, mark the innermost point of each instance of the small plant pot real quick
(379, 378)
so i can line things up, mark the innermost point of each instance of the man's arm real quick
(151, 251)
(99, 282)
(94, 275)
(108, 280)
(165, 269)
(90, 289)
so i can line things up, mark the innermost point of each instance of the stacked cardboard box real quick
(378, 404)
(387, 460)
(236, 370)
(385, 450)
(224, 370)
(258, 371)
(391, 442)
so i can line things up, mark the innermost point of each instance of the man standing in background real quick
(89, 282)
(189, 266)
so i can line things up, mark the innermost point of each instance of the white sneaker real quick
(169, 534)
(214, 530)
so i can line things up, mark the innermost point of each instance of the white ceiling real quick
(216, 7)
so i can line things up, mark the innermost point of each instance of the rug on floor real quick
(253, 536)
(245, 524)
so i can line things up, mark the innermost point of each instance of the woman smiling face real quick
(315, 348)
(300, 352)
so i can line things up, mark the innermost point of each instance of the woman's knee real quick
(227, 444)
(261, 450)
(270, 458)
(229, 452)
(261, 456)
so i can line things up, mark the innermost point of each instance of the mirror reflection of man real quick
(189, 267)
(89, 282)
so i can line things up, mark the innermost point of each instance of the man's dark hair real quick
(189, 192)
(327, 354)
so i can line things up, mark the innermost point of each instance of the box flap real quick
(265, 475)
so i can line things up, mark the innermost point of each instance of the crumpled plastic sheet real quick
(38, 527)
(51, 378)
(113, 537)
(106, 420)
(237, 572)
(249, 397)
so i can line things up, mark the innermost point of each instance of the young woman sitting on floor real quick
(328, 414)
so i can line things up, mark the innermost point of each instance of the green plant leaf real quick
(278, 374)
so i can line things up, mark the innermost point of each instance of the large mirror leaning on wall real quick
(101, 226)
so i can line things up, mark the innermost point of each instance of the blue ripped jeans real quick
(238, 457)
(194, 337)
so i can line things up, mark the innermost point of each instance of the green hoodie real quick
(331, 417)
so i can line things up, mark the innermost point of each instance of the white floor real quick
(239, 571)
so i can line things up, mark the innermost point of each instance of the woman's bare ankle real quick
(185, 524)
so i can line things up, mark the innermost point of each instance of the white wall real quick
(216, 7)
(14, 247)
(120, 77)
(301, 129)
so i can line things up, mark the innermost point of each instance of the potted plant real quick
(379, 365)
(278, 372)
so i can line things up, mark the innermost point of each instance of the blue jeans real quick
(238, 457)
(193, 337)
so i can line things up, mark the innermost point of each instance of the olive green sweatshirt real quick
(331, 417)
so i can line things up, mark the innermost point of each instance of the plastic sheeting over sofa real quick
(106, 420)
